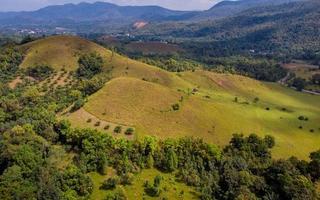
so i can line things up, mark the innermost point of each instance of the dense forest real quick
(35, 146)
(279, 31)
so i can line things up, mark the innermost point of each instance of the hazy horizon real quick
(30, 5)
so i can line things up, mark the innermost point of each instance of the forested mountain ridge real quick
(91, 16)
(287, 28)
(228, 8)
(87, 12)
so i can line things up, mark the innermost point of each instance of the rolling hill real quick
(211, 106)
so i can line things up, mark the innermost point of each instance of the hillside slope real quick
(229, 8)
(208, 110)
(210, 105)
(62, 52)
(287, 28)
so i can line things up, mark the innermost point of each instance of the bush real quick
(116, 195)
(110, 183)
(117, 129)
(78, 104)
(106, 127)
(126, 179)
(39, 72)
(97, 123)
(154, 190)
(175, 107)
(129, 131)
(299, 84)
(89, 65)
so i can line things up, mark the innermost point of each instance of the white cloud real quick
(17, 5)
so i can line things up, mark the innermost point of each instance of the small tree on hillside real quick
(89, 65)
(299, 83)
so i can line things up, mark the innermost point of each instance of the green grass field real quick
(142, 96)
(211, 112)
(170, 188)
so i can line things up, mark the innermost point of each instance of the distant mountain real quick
(287, 28)
(90, 13)
(228, 8)
(102, 16)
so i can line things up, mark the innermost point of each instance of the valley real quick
(123, 100)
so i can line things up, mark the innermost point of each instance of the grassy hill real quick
(59, 51)
(210, 105)
(208, 110)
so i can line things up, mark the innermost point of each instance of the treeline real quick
(10, 58)
(261, 69)
(244, 169)
(171, 63)
(35, 148)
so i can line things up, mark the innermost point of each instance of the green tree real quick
(89, 65)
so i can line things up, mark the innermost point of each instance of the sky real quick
(27, 5)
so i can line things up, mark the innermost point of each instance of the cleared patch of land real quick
(153, 47)
(171, 189)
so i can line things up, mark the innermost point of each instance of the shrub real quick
(154, 190)
(39, 72)
(116, 195)
(110, 183)
(78, 104)
(117, 129)
(97, 123)
(89, 65)
(175, 107)
(89, 120)
(301, 118)
(126, 179)
(267, 108)
(129, 131)
(106, 127)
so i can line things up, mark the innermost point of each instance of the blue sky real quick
(18, 5)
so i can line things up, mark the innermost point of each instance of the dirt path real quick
(284, 80)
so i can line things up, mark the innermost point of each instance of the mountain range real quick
(72, 15)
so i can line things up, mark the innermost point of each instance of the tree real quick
(314, 166)
(89, 65)
(299, 83)
(316, 79)
(110, 183)
(39, 72)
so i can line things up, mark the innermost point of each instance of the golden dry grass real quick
(211, 112)
(142, 96)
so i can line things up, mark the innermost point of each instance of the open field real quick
(171, 189)
(208, 110)
(153, 48)
(210, 106)
(304, 70)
